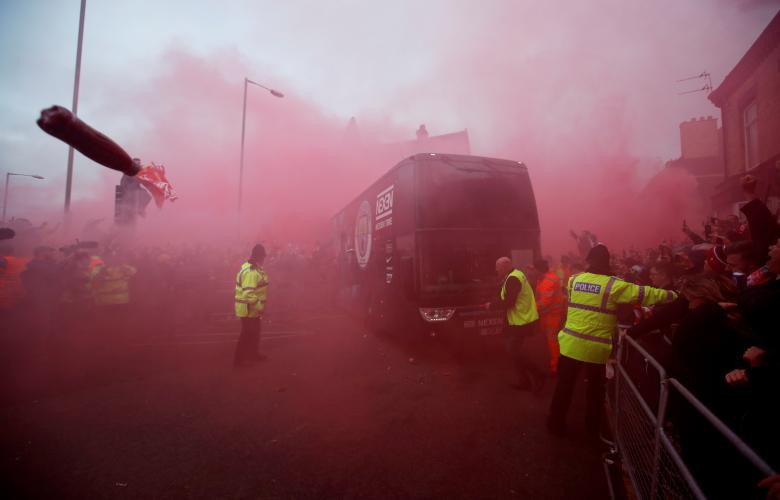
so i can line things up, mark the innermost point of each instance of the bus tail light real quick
(435, 314)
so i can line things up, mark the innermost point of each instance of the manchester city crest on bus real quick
(363, 234)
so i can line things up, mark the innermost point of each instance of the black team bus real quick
(417, 249)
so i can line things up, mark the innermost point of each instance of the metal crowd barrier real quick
(645, 442)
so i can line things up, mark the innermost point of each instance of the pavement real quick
(333, 412)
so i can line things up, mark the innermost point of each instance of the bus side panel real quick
(366, 241)
(347, 280)
(391, 293)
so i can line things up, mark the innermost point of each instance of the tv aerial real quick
(705, 76)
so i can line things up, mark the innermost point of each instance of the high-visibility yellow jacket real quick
(591, 318)
(111, 284)
(524, 309)
(251, 291)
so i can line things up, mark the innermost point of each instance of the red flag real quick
(154, 180)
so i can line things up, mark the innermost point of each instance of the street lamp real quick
(7, 180)
(274, 93)
(75, 108)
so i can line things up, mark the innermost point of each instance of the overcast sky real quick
(396, 62)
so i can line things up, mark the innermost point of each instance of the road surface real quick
(334, 412)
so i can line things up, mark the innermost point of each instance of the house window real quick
(750, 127)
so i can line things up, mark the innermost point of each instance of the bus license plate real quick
(493, 330)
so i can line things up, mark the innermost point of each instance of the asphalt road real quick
(334, 412)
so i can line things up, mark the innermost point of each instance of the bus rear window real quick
(474, 195)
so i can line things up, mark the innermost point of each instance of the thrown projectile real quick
(62, 124)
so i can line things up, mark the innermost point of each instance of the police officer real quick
(110, 283)
(586, 339)
(517, 299)
(250, 297)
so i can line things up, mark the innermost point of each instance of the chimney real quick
(699, 138)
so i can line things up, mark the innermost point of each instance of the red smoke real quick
(299, 171)
(572, 92)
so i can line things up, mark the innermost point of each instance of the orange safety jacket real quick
(11, 288)
(549, 295)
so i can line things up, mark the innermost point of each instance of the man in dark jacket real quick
(764, 230)
(42, 285)
(703, 349)
(760, 375)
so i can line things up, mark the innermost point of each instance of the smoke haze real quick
(583, 92)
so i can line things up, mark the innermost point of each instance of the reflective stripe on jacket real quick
(251, 291)
(591, 318)
(524, 309)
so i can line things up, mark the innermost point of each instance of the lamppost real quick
(274, 93)
(75, 108)
(7, 180)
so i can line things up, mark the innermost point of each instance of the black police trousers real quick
(568, 371)
(248, 341)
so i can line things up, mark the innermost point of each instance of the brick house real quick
(749, 101)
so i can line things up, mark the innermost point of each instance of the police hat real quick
(598, 255)
(258, 252)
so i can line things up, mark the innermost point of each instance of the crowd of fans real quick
(104, 287)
